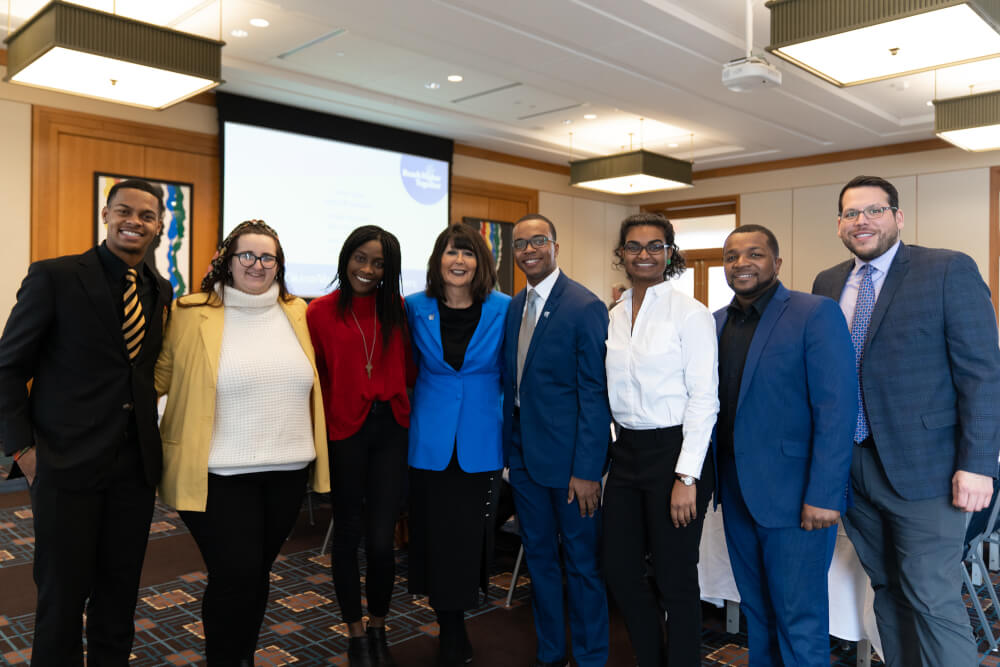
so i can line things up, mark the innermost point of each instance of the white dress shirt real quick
(665, 370)
(543, 289)
(880, 268)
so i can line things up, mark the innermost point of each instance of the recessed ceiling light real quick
(567, 122)
(673, 145)
(239, 33)
(433, 85)
(260, 23)
(590, 116)
(455, 78)
(930, 103)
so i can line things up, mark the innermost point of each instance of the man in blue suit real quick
(926, 425)
(783, 449)
(556, 426)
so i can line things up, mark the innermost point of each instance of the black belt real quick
(867, 443)
(380, 408)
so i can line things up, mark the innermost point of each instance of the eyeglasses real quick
(871, 212)
(653, 247)
(537, 241)
(248, 259)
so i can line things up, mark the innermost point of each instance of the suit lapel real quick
(897, 271)
(548, 310)
(768, 320)
(96, 286)
(429, 318)
(838, 280)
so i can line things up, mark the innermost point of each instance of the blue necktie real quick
(859, 331)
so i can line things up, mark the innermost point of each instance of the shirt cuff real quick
(690, 463)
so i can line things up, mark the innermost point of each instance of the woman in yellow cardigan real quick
(242, 430)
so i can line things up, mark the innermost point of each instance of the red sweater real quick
(348, 393)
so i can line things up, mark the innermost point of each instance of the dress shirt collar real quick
(880, 263)
(544, 288)
(112, 263)
(758, 304)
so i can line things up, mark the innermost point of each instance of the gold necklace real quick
(364, 341)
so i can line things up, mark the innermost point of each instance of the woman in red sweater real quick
(362, 355)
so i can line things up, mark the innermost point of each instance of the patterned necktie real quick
(527, 329)
(134, 324)
(859, 331)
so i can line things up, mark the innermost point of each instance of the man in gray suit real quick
(926, 436)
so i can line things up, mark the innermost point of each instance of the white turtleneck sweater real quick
(262, 403)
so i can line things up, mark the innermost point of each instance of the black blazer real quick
(64, 334)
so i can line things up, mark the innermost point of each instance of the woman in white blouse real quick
(662, 366)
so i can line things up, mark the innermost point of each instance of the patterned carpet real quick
(303, 625)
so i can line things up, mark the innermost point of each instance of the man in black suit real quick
(86, 331)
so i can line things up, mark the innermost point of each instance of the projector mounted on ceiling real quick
(750, 73)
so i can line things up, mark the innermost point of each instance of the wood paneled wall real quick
(492, 201)
(68, 147)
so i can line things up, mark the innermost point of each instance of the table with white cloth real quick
(851, 614)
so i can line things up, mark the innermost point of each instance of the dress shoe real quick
(358, 654)
(378, 648)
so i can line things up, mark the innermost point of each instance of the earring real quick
(668, 261)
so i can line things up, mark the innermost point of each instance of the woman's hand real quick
(683, 503)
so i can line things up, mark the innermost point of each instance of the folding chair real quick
(982, 532)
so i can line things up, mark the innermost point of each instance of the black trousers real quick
(247, 519)
(367, 474)
(89, 548)
(636, 522)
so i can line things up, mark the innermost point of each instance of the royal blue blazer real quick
(793, 435)
(457, 408)
(564, 415)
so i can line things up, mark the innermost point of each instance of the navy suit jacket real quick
(460, 406)
(565, 419)
(794, 425)
(930, 369)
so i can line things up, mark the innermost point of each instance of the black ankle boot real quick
(378, 648)
(357, 652)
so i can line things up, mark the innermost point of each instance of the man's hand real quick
(587, 494)
(971, 492)
(817, 518)
(683, 505)
(27, 463)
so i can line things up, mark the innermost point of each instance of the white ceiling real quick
(533, 68)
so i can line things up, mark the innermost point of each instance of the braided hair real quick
(220, 271)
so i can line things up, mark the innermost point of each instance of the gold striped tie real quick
(134, 325)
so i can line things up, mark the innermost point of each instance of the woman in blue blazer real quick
(455, 431)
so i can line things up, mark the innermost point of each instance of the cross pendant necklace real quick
(364, 341)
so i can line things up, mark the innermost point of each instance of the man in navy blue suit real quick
(556, 426)
(926, 424)
(783, 449)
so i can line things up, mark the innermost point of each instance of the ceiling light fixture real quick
(972, 122)
(82, 51)
(260, 23)
(239, 33)
(432, 85)
(589, 116)
(849, 42)
(455, 78)
(630, 173)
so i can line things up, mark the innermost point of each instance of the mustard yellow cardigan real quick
(186, 372)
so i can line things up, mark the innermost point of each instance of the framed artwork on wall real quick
(499, 237)
(170, 253)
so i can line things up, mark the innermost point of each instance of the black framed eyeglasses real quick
(871, 212)
(653, 247)
(536, 241)
(248, 259)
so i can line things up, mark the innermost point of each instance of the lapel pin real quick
(431, 316)
(545, 313)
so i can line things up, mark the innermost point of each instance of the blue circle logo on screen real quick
(423, 178)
